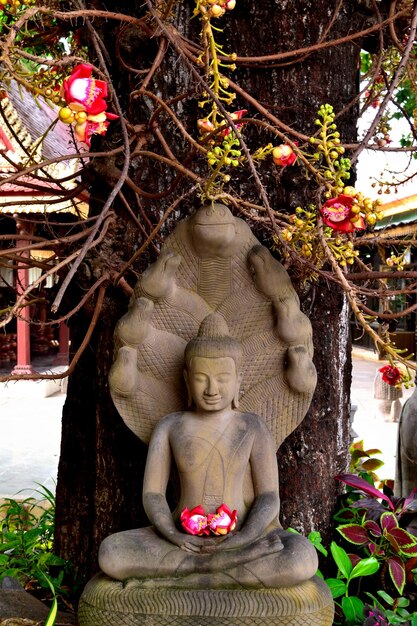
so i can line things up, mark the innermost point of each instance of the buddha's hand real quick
(300, 373)
(237, 541)
(196, 545)
(133, 328)
(123, 374)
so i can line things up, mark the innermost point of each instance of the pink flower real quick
(194, 522)
(337, 213)
(223, 521)
(284, 155)
(390, 375)
(82, 92)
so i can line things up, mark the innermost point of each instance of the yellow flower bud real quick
(350, 191)
(66, 115)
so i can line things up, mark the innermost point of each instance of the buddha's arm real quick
(158, 465)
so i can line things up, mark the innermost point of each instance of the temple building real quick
(35, 206)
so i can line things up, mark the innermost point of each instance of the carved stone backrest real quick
(213, 262)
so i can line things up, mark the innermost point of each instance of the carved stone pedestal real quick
(106, 602)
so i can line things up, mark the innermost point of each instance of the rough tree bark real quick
(101, 464)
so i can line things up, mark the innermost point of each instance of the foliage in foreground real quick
(26, 551)
(373, 555)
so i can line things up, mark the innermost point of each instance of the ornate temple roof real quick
(24, 121)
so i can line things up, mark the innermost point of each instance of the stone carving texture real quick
(106, 603)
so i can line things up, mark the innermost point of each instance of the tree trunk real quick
(101, 464)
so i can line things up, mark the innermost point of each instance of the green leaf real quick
(341, 559)
(50, 620)
(414, 619)
(352, 608)
(3, 559)
(385, 596)
(403, 613)
(375, 601)
(365, 567)
(337, 587)
(393, 618)
(315, 538)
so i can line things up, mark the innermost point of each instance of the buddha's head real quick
(213, 229)
(212, 366)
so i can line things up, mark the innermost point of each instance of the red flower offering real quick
(337, 213)
(194, 522)
(223, 521)
(390, 375)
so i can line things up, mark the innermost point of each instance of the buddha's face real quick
(213, 383)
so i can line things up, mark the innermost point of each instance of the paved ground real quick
(30, 432)
(369, 423)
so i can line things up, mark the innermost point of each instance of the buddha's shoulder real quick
(169, 420)
(252, 420)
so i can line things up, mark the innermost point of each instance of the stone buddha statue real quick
(213, 368)
(222, 456)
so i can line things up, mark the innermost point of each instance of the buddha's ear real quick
(235, 402)
(189, 396)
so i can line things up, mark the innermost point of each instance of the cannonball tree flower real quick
(82, 92)
(85, 97)
(338, 214)
(236, 115)
(91, 125)
(284, 155)
(205, 125)
(390, 375)
(223, 521)
(194, 522)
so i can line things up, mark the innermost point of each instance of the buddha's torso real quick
(212, 457)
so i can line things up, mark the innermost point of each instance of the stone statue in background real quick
(217, 305)
(406, 462)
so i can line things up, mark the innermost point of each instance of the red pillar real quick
(23, 365)
(62, 358)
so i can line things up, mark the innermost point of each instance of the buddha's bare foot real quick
(133, 328)
(123, 374)
(300, 374)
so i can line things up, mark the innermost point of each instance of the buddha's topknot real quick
(213, 341)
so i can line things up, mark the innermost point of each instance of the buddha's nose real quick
(212, 388)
